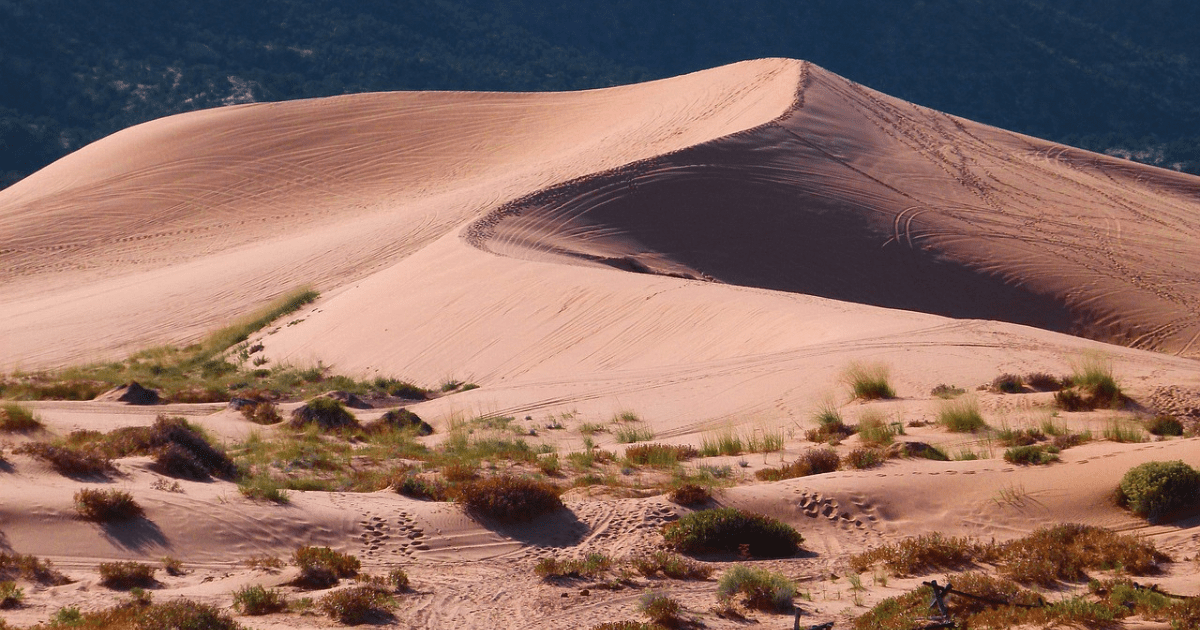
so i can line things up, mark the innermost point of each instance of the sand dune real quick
(710, 251)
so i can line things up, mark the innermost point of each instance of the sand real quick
(709, 251)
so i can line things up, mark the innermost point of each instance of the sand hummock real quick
(709, 251)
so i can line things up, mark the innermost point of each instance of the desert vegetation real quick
(759, 588)
(106, 505)
(322, 567)
(1154, 489)
(869, 381)
(17, 418)
(125, 575)
(732, 530)
(257, 600)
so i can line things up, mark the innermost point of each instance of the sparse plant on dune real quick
(326, 413)
(17, 418)
(1008, 384)
(814, 461)
(1092, 386)
(590, 567)
(862, 458)
(732, 530)
(761, 589)
(508, 497)
(961, 415)
(875, 430)
(1154, 489)
(257, 600)
(869, 381)
(357, 604)
(106, 505)
(670, 565)
(690, 494)
(1164, 426)
(126, 575)
(660, 608)
(322, 567)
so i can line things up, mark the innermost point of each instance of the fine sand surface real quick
(709, 251)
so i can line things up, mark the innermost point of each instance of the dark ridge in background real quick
(1098, 74)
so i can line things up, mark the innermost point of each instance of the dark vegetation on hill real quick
(1094, 73)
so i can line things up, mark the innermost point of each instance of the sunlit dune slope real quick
(167, 229)
(857, 196)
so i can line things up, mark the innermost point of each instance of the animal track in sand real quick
(815, 504)
(380, 538)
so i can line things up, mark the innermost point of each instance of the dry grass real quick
(358, 604)
(590, 567)
(869, 381)
(813, 461)
(106, 505)
(761, 589)
(126, 575)
(256, 600)
(670, 565)
(961, 416)
(142, 613)
(509, 498)
(15, 418)
(69, 462)
(31, 568)
(923, 554)
(732, 530)
(690, 494)
(322, 567)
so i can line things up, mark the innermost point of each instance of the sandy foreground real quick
(709, 251)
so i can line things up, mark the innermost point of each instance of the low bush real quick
(262, 412)
(760, 588)
(814, 461)
(264, 487)
(732, 530)
(15, 418)
(862, 458)
(328, 414)
(875, 430)
(256, 600)
(322, 567)
(70, 462)
(1031, 455)
(1165, 426)
(670, 565)
(1043, 382)
(1092, 387)
(32, 568)
(869, 381)
(1065, 552)
(1019, 437)
(590, 567)
(126, 575)
(832, 432)
(660, 609)
(399, 420)
(923, 554)
(690, 494)
(1008, 384)
(1154, 489)
(947, 391)
(660, 455)
(106, 505)
(11, 595)
(357, 604)
(509, 498)
(417, 487)
(961, 416)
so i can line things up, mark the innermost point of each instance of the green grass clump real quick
(126, 575)
(869, 381)
(417, 487)
(814, 461)
(399, 420)
(1154, 489)
(725, 442)
(961, 416)
(922, 554)
(358, 604)
(660, 455)
(15, 418)
(322, 567)
(1043, 382)
(590, 567)
(106, 505)
(689, 494)
(1118, 431)
(509, 498)
(1092, 386)
(875, 430)
(256, 600)
(670, 565)
(11, 595)
(326, 413)
(660, 609)
(1008, 384)
(761, 589)
(863, 458)
(1065, 552)
(264, 487)
(629, 435)
(732, 530)
(1165, 426)
(1031, 455)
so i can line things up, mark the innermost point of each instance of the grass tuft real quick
(358, 604)
(732, 530)
(104, 506)
(15, 418)
(509, 498)
(322, 567)
(126, 575)
(869, 381)
(761, 589)
(256, 600)
(590, 567)
(670, 565)
(660, 455)
(814, 461)
(961, 416)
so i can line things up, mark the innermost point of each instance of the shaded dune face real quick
(856, 196)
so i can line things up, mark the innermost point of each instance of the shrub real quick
(869, 382)
(263, 487)
(106, 505)
(1117, 431)
(322, 567)
(326, 413)
(357, 604)
(922, 554)
(762, 589)
(861, 458)
(660, 455)
(30, 568)
(398, 580)
(874, 430)
(1154, 489)
(69, 462)
(173, 566)
(256, 600)
(126, 575)
(592, 566)
(1093, 387)
(1043, 382)
(947, 391)
(11, 595)
(1008, 384)
(732, 530)
(670, 565)
(659, 608)
(508, 498)
(16, 418)
(399, 420)
(1064, 552)
(1165, 425)
(1034, 454)
(961, 416)
(262, 412)
(813, 461)
(417, 487)
(690, 494)
(629, 435)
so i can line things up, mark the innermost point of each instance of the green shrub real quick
(15, 418)
(322, 567)
(508, 497)
(590, 567)
(357, 604)
(1165, 426)
(874, 430)
(31, 568)
(762, 589)
(264, 487)
(1093, 386)
(660, 455)
(1154, 489)
(126, 575)
(106, 505)
(670, 565)
(262, 412)
(862, 458)
(399, 420)
(869, 381)
(69, 462)
(1008, 384)
(961, 416)
(256, 600)
(659, 608)
(732, 530)
(629, 435)
(326, 413)
(417, 487)
(1034, 454)
(814, 461)
(11, 595)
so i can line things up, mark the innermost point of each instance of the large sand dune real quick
(710, 251)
